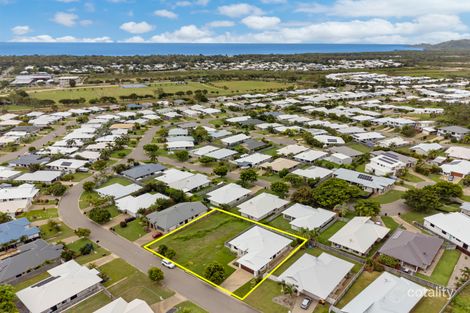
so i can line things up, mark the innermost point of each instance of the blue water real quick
(126, 49)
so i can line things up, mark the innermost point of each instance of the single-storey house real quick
(261, 206)
(234, 140)
(458, 152)
(304, 216)
(291, 150)
(369, 183)
(252, 160)
(310, 156)
(122, 306)
(280, 164)
(314, 172)
(358, 235)
(143, 171)
(229, 194)
(176, 215)
(258, 249)
(456, 132)
(317, 277)
(454, 227)
(415, 251)
(456, 168)
(131, 205)
(46, 177)
(67, 165)
(117, 190)
(29, 159)
(16, 231)
(69, 283)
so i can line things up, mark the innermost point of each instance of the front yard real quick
(133, 231)
(202, 242)
(444, 268)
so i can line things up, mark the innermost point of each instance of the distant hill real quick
(462, 44)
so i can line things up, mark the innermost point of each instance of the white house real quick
(117, 190)
(131, 205)
(369, 183)
(228, 195)
(234, 140)
(358, 235)
(67, 165)
(317, 277)
(425, 148)
(454, 227)
(291, 150)
(328, 140)
(385, 292)
(261, 206)
(456, 168)
(384, 165)
(122, 306)
(69, 283)
(314, 172)
(457, 152)
(258, 248)
(46, 177)
(310, 156)
(304, 216)
(252, 160)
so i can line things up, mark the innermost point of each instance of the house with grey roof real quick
(253, 144)
(28, 258)
(456, 132)
(143, 171)
(16, 231)
(29, 159)
(176, 215)
(350, 152)
(415, 251)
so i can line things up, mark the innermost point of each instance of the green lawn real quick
(444, 268)
(117, 180)
(281, 223)
(35, 215)
(272, 151)
(56, 235)
(245, 288)
(97, 253)
(116, 270)
(412, 178)
(86, 198)
(330, 231)
(81, 176)
(358, 286)
(133, 231)
(271, 178)
(262, 297)
(461, 303)
(91, 304)
(416, 216)
(390, 223)
(202, 242)
(389, 196)
(359, 147)
(31, 281)
(119, 154)
(190, 307)
(431, 305)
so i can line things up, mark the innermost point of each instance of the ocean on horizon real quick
(145, 49)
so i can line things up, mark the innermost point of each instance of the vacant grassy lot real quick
(35, 215)
(416, 216)
(190, 307)
(215, 88)
(431, 305)
(444, 268)
(117, 180)
(202, 242)
(412, 178)
(133, 231)
(389, 196)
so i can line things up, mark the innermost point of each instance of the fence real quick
(340, 252)
(459, 290)
(345, 290)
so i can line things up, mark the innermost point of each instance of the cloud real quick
(389, 8)
(89, 7)
(48, 38)
(66, 19)
(216, 24)
(239, 10)
(86, 22)
(186, 3)
(183, 3)
(273, 1)
(165, 13)
(21, 29)
(188, 33)
(135, 39)
(261, 22)
(137, 28)
(67, 1)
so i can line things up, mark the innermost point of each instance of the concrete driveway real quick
(237, 279)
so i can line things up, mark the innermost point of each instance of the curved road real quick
(185, 284)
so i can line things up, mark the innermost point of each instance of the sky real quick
(224, 21)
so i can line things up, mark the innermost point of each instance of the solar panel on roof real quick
(66, 163)
(390, 155)
(365, 177)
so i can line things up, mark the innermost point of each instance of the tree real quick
(334, 191)
(206, 159)
(99, 215)
(82, 232)
(200, 134)
(152, 151)
(283, 173)
(422, 200)
(4, 217)
(408, 131)
(280, 188)
(367, 208)
(7, 299)
(89, 186)
(303, 195)
(57, 189)
(215, 273)
(99, 165)
(248, 175)
(182, 155)
(53, 225)
(466, 180)
(446, 190)
(155, 274)
(220, 170)
(86, 248)
(294, 180)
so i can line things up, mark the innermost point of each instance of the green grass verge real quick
(133, 231)
(461, 303)
(189, 307)
(444, 268)
(390, 223)
(53, 235)
(36, 215)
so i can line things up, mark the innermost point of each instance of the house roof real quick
(366, 180)
(280, 163)
(310, 155)
(455, 129)
(456, 224)
(346, 151)
(67, 163)
(252, 144)
(458, 152)
(40, 176)
(228, 193)
(66, 280)
(318, 276)
(133, 204)
(176, 214)
(204, 150)
(292, 149)
(117, 190)
(386, 294)
(359, 234)
(190, 183)
(122, 306)
(458, 166)
(142, 170)
(23, 191)
(30, 159)
(261, 205)
(305, 216)
(221, 153)
(413, 248)
(172, 175)
(313, 172)
(253, 159)
(28, 256)
(258, 245)
(235, 138)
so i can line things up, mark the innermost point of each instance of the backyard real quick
(202, 242)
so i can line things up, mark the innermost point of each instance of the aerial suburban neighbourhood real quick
(233, 181)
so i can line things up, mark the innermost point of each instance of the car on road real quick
(168, 263)
(306, 303)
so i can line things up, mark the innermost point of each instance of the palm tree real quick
(309, 234)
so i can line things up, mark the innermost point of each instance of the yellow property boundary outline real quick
(304, 241)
